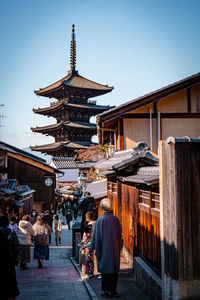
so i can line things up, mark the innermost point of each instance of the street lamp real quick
(82, 181)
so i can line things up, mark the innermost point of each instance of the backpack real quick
(41, 239)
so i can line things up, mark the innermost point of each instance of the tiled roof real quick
(81, 125)
(154, 96)
(92, 107)
(47, 128)
(73, 80)
(85, 164)
(142, 179)
(119, 156)
(125, 158)
(64, 163)
(58, 145)
(144, 175)
(88, 106)
(16, 150)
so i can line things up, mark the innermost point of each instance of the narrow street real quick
(58, 280)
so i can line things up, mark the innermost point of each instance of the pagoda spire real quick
(73, 51)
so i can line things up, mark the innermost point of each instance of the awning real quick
(17, 203)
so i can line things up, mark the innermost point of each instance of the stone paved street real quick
(58, 280)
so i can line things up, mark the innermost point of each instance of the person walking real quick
(87, 254)
(41, 245)
(57, 228)
(13, 225)
(49, 220)
(75, 211)
(33, 216)
(24, 235)
(68, 218)
(107, 242)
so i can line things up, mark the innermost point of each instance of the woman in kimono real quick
(107, 242)
(87, 254)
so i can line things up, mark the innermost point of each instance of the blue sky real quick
(135, 46)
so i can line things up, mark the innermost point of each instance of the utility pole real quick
(2, 116)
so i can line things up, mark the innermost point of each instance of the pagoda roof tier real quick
(75, 125)
(74, 84)
(64, 145)
(92, 108)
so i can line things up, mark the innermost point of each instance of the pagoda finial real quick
(73, 50)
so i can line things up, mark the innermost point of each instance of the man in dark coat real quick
(107, 242)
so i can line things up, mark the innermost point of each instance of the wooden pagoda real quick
(72, 110)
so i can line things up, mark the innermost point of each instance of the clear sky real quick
(137, 46)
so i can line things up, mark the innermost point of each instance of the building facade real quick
(173, 110)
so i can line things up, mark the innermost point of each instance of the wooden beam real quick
(164, 115)
(106, 129)
(189, 100)
(121, 134)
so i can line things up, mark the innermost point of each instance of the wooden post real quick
(179, 217)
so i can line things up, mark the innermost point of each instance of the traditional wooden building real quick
(72, 110)
(14, 198)
(33, 171)
(173, 110)
(133, 187)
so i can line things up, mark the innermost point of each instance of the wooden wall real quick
(34, 177)
(139, 214)
(180, 190)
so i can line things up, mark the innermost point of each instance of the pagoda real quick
(72, 111)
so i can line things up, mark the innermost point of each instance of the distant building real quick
(68, 166)
(72, 111)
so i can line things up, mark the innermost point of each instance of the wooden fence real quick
(139, 213)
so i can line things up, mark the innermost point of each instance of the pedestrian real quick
(48, 218)
(33, 216)
(75, 211)
(13, 225)
(24, 235)
(61, 217)
(41, 244)
(9, 287)
(11, 237)
(57, 228)
(87, 204)
(107, 242)
(87, 254)
(68, 218)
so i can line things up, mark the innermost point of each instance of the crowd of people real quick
(101, 238)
